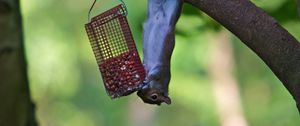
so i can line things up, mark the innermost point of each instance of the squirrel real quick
(158, 45)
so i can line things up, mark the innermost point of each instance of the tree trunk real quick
(141, 114)
(16, 108)
(298, 6)
(261, 33)
(225, 86)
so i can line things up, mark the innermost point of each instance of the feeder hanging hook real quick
(89, 14)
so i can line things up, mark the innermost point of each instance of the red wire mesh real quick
(115, 52)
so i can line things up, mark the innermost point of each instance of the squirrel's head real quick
(153, 96)
(155, 89)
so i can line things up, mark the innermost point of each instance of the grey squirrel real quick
(158, 45)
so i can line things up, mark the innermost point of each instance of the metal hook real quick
(89, 14)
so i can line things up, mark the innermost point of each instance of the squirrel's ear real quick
(167, 100)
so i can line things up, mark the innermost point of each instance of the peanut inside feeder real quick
(115, 51)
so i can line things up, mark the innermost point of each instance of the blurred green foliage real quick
(67, 87)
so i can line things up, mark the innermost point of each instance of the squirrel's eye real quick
(154, 97)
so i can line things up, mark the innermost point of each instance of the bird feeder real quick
(115, 51)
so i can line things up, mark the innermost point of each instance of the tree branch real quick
(260, 32)
(16, 107)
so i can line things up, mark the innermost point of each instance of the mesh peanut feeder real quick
(115, 51)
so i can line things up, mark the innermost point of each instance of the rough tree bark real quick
(16, 108)
(261, 33)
